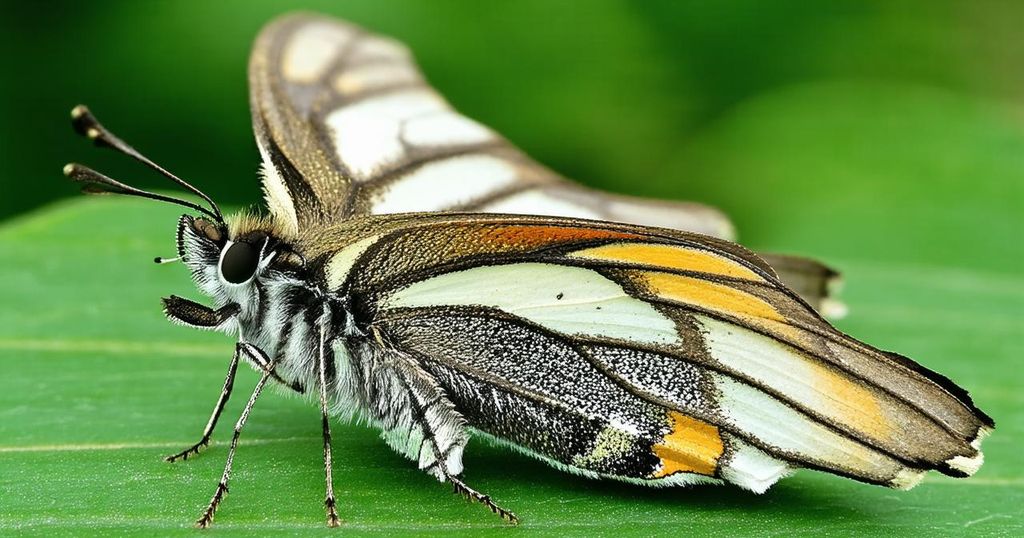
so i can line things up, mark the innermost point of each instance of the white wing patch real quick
(309, 53)
(751, 468)
(367, 135)
(372, 135)
(375, 76)
(442, 184)
(764, 418)
(371, 48)
(536, 202)
(445, 129)
(279, 201)
(569, 300)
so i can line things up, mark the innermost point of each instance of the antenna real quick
(97, 183)
(87, 125)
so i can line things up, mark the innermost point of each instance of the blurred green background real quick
(741, 104)
(886, 138)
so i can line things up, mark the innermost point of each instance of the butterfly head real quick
(227, 258)
(225, 255)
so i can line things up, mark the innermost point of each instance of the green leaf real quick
(96, 386)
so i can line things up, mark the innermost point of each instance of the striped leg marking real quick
(257, 355)
(469, 493)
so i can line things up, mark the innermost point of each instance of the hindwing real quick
(654, 352)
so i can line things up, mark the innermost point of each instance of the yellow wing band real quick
(668, 257)
(710, 295)
(693, 446)
(843, 397)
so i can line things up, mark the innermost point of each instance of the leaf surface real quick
(96, 386)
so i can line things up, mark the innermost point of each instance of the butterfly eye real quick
(239, 262)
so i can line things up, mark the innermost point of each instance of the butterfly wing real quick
(351, 112)
(814, 281)
(641, 353)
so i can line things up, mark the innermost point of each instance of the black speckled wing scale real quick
(348, 126)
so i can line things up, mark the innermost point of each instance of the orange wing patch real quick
(693, 446)
(669, 257)
(527, 236)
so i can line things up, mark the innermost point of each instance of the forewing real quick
(304, 181)
(351, 112)
(739, 377)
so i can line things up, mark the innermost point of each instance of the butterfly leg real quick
(225, 393)
(206, 519)
(196, 315)
(257, 356)
(440, 451)
(469, 493)
(440, 466)
(329, 502)
(193, 314)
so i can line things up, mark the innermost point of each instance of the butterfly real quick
(418, 272)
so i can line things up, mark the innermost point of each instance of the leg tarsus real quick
(206, 519)
(222, 400)
(191, 451)
(332, 513)
(474, 495)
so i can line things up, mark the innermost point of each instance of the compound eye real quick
(239, 262)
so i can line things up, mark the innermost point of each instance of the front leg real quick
(193, 314)
(198, 316)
